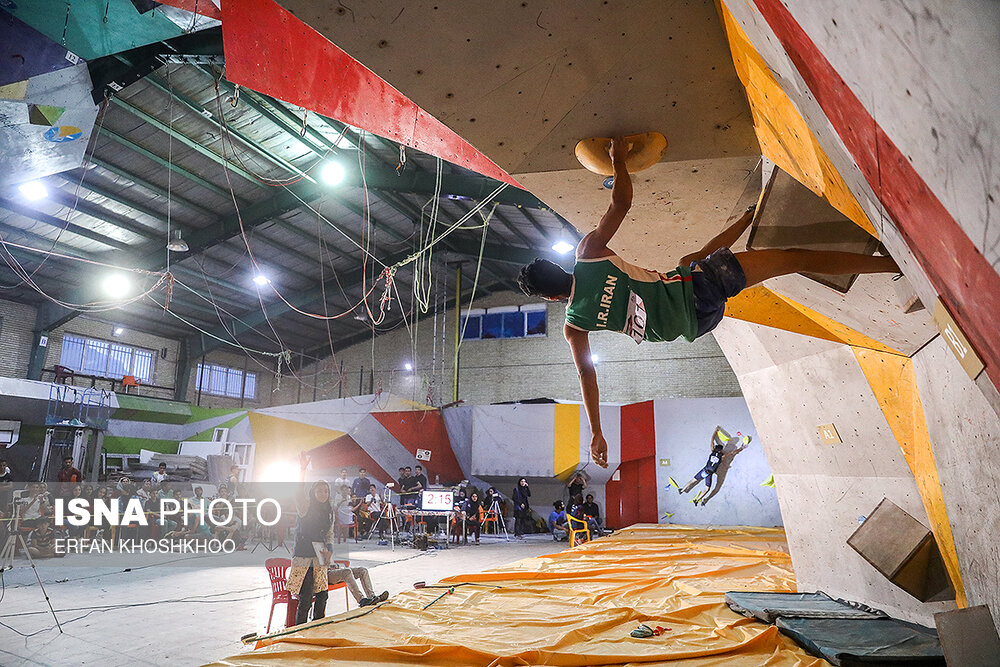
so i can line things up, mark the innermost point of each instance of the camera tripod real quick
(495, 508)
(389, 514)
(7, 563)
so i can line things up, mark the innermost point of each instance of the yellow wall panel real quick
(281, 440)
(784, 136)
(760, 305)
(894, 383)
(567, 440)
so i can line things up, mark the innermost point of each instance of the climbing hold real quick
(644, 150)
(769, 481)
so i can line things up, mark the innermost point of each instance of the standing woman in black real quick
(307, 576)
(522, 506)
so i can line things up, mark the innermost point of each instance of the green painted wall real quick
(121, 445)
(206, 435)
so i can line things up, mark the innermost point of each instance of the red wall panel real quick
(269, 50)
(968, 285)
(637, 492)
(638, 431)
(342, 452)
(424, 429)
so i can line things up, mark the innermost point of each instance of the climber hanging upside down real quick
(606, 293)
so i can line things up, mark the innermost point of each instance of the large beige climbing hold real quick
(644, 150)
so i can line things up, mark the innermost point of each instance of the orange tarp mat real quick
(575, 607)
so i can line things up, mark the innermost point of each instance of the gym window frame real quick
(526, 321)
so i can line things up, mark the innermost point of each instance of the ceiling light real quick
(562, 247)
(261, 279)
(176, 243)
(117, 331)
(594, 358)
(332, 173)
(117, 285)
(33, 190)
(408, 366)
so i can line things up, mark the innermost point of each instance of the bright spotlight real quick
(117, 286)
(594, 358)
(261, 280)
(281, 471)
(33, 190)
(332, 173)
(562, 247)
(408, 366)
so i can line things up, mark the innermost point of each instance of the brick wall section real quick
(18, 321)
(511, 369)
(492, 370)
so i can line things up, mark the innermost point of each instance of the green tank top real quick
(611, 294)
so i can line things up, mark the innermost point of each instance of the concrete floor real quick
(193, 610)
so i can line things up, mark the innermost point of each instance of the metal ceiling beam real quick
(52, 221)
(118, 199)
(258, 106)
(45, 242)
(264, 245)
(184, 139)
(81, 205)
(210, 116)
(163, 162)
(152, 187)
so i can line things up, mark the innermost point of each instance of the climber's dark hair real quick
(545, 278)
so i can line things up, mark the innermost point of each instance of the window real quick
(224, 381)
(105, 359)
(505, 322)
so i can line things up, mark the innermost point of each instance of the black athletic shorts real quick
(715, 279)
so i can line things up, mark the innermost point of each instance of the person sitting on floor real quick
(160, 476)
(41, 541)
(558, 521)
(35, 507)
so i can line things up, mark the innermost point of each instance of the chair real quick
(488, 518)
(129, 381)
(63, 373)
(575, 530)
(341, 584)
(277, 570)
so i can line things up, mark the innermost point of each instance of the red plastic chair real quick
(277, 570)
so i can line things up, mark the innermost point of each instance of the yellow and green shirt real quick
(609, 294)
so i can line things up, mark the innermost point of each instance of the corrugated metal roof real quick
(115, 209)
